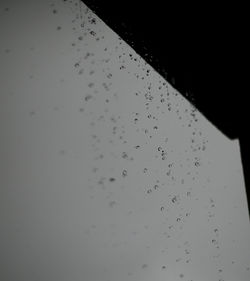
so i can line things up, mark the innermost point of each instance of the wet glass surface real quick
(108, 173)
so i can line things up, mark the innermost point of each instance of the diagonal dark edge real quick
(221, 101)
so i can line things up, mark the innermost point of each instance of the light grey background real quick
(73, 115)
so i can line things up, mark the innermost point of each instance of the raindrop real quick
(197, 164)
(156, 186)
(174, 199)
(32, 113)
(112, 203)
(81, 71)
(62, 151)
(124, 155)
(88, 97)
(93, 21)
(124, 173)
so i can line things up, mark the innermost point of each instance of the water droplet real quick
(124, 155)
(81, 71)
(62, 151)
(92, 33)
(32, 113)
(88, 97)
(124, 173)
(112, 203)
(174, 199)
